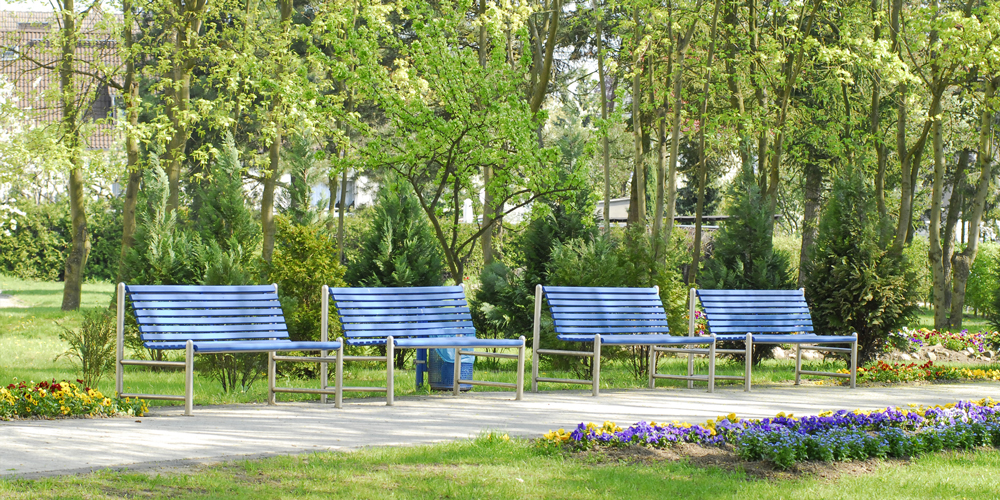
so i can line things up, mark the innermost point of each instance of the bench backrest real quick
(172, 314)
(605, 310)
(756, 311)
(369, 315)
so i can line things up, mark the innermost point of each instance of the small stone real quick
(905, 357)
(931, 356)
(779, 353)
(970, 351)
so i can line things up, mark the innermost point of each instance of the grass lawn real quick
(487, 468)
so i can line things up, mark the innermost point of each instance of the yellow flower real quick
(106, 402)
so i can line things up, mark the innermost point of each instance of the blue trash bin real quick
(441, 369)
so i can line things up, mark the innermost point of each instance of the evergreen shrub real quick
(853, 284)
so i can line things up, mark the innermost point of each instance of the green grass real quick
(29, 339)
(487, 468)
(972, 323)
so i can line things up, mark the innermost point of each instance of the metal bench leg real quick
(691, 324)
(798, 364)
(854, 363)
(652, 366)
(390, 346)
(120, 346)
(189, 378)
(324, 376)
(596, 365)
(338, 376)
(520, 371)
(270, 378)
(534, 341)
(458, 372)
(711, 366)
(749, 359)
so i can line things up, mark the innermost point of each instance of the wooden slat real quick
(386, 326)
(210, 328)
(607, 303)
(766, 321)
(411, 290)
(444, 332)
(255, 304)
(402, 306)
(592, 289)
(602, 329)
(602, 309)
(717, 293)
(220, 320)
(584, 297)
(610, 322)
(790, 316)
(181, 336)
(401, 313)
(407, 318)
(201, 297)
(197, 288)
(754, 310)
(198, 313)
(759, 329)
(404, 297)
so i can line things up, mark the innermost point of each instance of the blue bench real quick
(769, 317)
(216, 320)
(614, 316)
(436, 317)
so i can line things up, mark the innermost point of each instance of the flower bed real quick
(908, 340)
(880, 371)
(785, 439)
(63, 399)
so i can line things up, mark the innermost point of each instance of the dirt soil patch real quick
(725, 458)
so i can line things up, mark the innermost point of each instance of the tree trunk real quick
(962, 262)
(638, 201)
(935, 252)
(810, 216)
(954, 210)
(267, 197)
(702, 154)
(488, 209)
(604, 118)
(76, 258)
(132, 102)
(274, 152)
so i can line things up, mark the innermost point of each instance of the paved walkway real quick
(165, 439)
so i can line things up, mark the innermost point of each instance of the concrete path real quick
(165, 439)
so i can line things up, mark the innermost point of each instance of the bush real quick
(625, 261)
(853, 285)
(983, 278)
(93, 345)
(743, 255)
(503, 306)
(37, 244)
(399, 248)
(305, 259)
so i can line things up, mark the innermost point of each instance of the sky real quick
(26, 5)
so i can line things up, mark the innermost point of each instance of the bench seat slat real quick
(748, 293)
(593, 289)
(610, 329)
(612, 322)
(601, 296)
(401, 306)
(201, 297)
(654, 302)
(785, 338)
(351, 314)
(220, 320)
(201, 313)
(455, 342)
(212, 328)
(719, 330)
(404, 297)
(265, 346)
(416, 290)
(208, 336)
(389, 326)
(198, 288)
(440, 332)
(605, 310)
(406, 318)
(163, 304)
(749, 310)
(638, 339)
